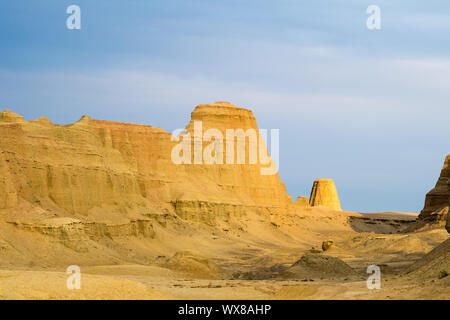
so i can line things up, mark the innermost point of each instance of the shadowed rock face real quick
(437, 199)
(324, 194)
(448, 215)
(126, 169)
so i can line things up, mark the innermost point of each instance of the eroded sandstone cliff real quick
(324, 194)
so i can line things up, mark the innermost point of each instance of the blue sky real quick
(369, 109)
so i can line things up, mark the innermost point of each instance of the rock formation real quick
(316, 265)
(194, 264)
(90, 167)
(324, 194)
(437, 199)
(9, 116)
(433, 263)
(447, 226)
(326, 245)
(302, 202)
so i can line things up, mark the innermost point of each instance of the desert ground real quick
(256, 264)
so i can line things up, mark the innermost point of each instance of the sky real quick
(366, 108)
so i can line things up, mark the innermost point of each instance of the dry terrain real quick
(240, 265)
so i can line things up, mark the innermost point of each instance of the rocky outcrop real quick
(318, 266)
(324, 194)
(93, 167)
(437, 199)
(302, 202)
(9, 116)
(75, 234)
(326, 245)
(447, 226)
(194, 264)
(433, 263)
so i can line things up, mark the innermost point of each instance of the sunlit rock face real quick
(437, 199)
(324, 194)
(448, 215)
(94, 166)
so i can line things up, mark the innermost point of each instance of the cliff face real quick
(91, 167)
(437, 199)
(324, 194)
